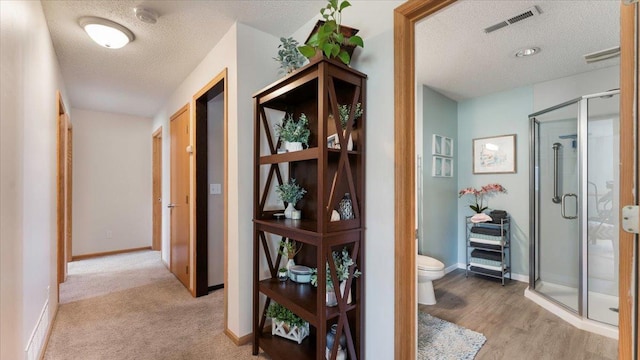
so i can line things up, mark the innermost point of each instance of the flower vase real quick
(291, 263)
(345, 207)
(342, 345)
(343, 285)
(349, 142)
(289, 210)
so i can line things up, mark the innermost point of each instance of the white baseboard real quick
(35, 345)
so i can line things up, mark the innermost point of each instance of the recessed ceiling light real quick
(106, 32)
(527, 52)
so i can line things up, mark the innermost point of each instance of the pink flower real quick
(487, 190)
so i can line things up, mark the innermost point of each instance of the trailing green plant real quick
(344, 111)
(290, 192)
(342, 261)
(281, 313)
(288, 55)
(328, 38)
(294, 131)
(289, 248)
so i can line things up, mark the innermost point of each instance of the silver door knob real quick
(170, 206)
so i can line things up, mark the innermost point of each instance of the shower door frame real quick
(582, 131)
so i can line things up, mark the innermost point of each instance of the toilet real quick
(429, 269)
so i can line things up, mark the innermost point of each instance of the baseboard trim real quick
(48, 335)
(239, 341)
(215, 287)
(106, 253)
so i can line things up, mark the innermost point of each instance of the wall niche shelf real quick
(317, 90)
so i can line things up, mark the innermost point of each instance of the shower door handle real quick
(563, 212)
(556, 196)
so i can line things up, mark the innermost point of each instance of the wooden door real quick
(68, 192)
(63, 191)
(157, 190)
(179, 128)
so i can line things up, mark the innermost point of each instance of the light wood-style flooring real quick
(515, 327)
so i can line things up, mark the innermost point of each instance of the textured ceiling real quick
(455, 57)
(139, 77)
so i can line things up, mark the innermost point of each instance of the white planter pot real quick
(294, 333)
(292, 146)
(331, 295)
(288, 212)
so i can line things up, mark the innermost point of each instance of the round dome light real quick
(106, 33)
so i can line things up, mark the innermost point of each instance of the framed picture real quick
(494, 155)
(442, 167)
(442, 146)
(333, 142)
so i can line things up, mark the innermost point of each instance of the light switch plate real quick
(215, 189)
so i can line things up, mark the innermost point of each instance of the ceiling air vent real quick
(528, 13)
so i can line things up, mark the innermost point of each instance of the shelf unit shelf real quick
(327, 173)
(502, 247)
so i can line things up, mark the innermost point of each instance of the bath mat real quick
(442, 340)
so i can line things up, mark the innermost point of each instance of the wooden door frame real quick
(63, 213)
(629, 101)
(156, 175)
(183, 109)
(200, 189)
(69, 193)
(405, 18)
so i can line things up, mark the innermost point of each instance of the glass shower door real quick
(556, 203)
(603, 180)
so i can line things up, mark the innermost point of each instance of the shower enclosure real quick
(575, 153)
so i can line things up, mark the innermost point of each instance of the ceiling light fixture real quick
(105, 32)
(527, 51)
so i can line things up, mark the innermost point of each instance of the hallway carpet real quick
(145, 314)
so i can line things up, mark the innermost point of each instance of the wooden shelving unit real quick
(327, 174)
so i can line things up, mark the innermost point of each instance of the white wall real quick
(438, 228)
(222, 56)
(111, 182)
(215, 203)
(246, 53)
(30, 76)
(375, 21)
(496, 114)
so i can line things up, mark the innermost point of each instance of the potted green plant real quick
(290, 193)
(294, 133)
(289, 248)
(287, 324)
(343, 111)
(329, 39)
(289, 57)
(343, 262)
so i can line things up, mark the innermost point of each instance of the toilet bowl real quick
(429, 269)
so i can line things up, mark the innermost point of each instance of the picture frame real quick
(333, 142)
(442, 167)
(494, 155)
(442, 146)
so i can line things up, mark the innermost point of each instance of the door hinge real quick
(631, 219)
(187, 269)
(187, 199)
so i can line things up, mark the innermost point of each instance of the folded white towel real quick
(482, 217)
